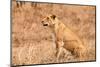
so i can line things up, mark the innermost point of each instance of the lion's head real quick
(49, 20)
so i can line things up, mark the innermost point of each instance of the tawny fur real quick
(65, 38)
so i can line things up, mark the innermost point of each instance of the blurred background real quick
(33, 44)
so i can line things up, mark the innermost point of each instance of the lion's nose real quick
(42, 21)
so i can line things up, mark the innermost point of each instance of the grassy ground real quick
(33, 44)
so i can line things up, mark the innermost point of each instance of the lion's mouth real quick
(45, 24)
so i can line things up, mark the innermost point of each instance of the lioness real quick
(65, 39)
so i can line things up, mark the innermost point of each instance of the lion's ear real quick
(53, 17)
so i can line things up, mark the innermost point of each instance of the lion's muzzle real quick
(44, 24)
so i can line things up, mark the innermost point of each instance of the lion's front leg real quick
(60, 48)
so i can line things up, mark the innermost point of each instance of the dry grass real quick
(33, 44)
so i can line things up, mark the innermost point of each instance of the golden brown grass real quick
(33, 44)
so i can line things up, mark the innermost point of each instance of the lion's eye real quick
(47, 18)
